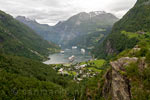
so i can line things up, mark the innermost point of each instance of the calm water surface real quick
(59, 58)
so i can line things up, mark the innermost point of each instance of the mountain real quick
(18, 39)
(43, 30)
(65, 32)
(34, 24)
(82, 24)
(126, 76)
(135, 21)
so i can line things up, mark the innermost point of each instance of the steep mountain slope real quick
(137, 21)
(18, 39)
(43, 30)
(84, 23)
(90, 40)
(66, 32)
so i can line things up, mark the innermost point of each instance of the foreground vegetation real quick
(23, 78)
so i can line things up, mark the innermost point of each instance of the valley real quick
(89, 56)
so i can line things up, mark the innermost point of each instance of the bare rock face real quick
(117, 84)
(120, 83)
(107, 88)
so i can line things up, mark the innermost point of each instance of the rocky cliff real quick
(117, 84)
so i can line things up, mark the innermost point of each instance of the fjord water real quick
(59, 58)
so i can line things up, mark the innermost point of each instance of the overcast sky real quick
(52, 11)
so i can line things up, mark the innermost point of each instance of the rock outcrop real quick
(120, 83)
(107, 88)
(117, 84)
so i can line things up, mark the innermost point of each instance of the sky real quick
(52, 11)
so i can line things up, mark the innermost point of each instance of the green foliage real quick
(92, 88)
(132, 70)
(30, 68)
(95, 63)
(120, 43)
(16, 87)
(139, 81)
(148, 57)
(142, 52)
(33, 80)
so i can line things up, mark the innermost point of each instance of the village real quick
(80, 71)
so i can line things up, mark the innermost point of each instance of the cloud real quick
(52, 11)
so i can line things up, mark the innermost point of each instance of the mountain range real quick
(66, 33)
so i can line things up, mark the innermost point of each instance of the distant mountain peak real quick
(25, 18)
(97, 12)
(94, 14)
(59, 23)
(71, 30)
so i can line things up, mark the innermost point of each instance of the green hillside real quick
(137, 20)
(18, 39)
(25, 78)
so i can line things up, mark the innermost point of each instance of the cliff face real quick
(120, 83)
(117, 84)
